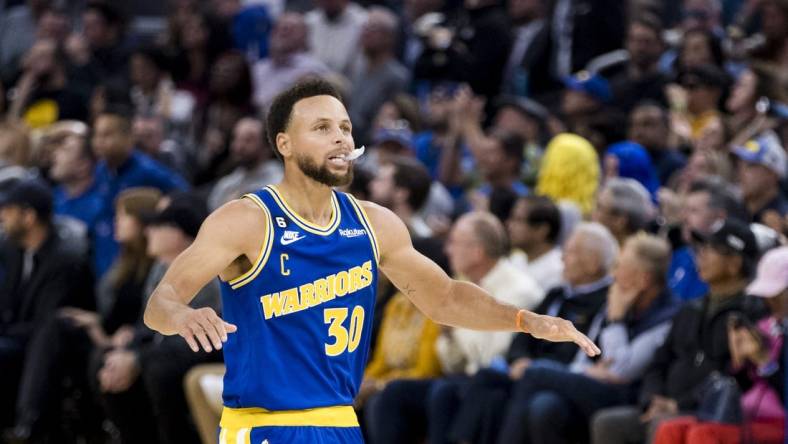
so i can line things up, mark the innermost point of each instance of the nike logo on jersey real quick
(288, 237)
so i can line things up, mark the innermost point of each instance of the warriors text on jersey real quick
(303, 310)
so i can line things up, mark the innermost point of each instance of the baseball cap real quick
(780, 110)
(765, 150)
(185, 216)
(772, 275)
(731, 235)
(524, 105)
(400, 134)
(766, 238)
(29, 193)
(594, 85)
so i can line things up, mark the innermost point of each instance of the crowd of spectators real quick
(619, 163)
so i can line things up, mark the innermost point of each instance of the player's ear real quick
(283, 145)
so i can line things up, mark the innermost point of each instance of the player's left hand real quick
(555, 329)
(203, 327)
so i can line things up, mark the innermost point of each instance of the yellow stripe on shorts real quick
(337, 416)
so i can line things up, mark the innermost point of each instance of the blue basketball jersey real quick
(303, 310)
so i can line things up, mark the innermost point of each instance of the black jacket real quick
(580, 309)
(60, 277)
(477, 54)
(696, 346)
(598, 27)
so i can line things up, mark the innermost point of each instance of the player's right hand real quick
(555, 329)
(203, 327)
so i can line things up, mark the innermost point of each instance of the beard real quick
(321, 174)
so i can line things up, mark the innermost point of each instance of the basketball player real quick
(298, 263)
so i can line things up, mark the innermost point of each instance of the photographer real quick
(756, 357)
(471, 47)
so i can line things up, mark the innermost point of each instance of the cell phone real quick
(738, 320)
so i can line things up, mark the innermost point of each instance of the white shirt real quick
(547, 270)
(269, 79)
(335, 42)
(470, 350)
(242, 181)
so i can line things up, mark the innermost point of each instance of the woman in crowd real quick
(757, 355)
(62, 347)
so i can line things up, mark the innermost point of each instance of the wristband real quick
(519, 321)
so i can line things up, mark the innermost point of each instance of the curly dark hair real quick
(281, 110)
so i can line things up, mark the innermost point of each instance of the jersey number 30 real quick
(345, 338)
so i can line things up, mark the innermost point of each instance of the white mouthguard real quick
(356, 153)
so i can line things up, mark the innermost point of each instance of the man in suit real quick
(39, 272)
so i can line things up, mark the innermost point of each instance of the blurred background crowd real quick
(621, 164)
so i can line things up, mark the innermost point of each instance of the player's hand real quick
(203, 327)
(555, 329)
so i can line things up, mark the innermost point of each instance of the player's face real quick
(320, 138)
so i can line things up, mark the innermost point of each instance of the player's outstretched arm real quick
(224, 236)
(456, 303)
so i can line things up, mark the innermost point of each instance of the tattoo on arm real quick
(408, 290)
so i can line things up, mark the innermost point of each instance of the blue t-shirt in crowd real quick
(429, 154)
(519, 188)
(683, 278)
(139, 170)
(85, 207)
(250, 30)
